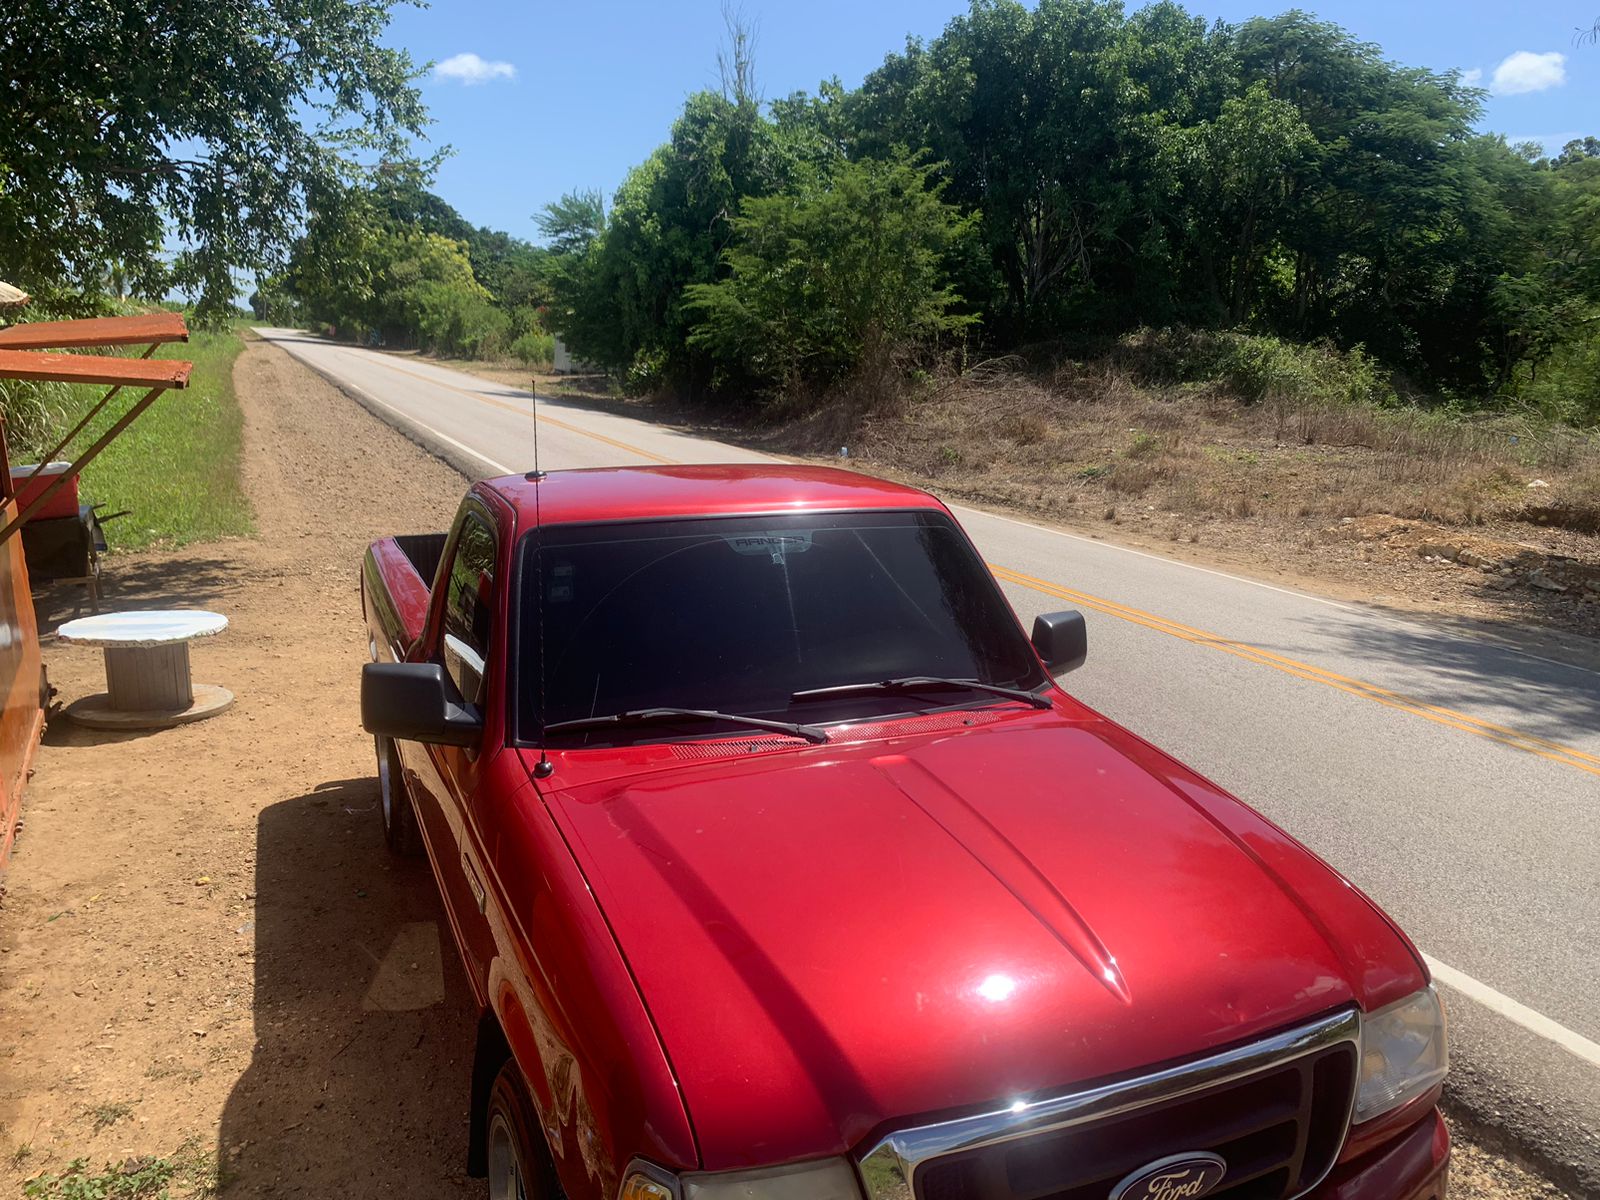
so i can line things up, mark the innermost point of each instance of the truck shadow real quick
(357, 1086)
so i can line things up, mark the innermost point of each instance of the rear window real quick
(738, 614)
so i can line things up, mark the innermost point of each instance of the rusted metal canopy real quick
(94, 368)
(150, 328)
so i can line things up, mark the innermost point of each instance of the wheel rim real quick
(385, 784)
(506, 1180)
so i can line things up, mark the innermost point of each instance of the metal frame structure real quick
(20, 358)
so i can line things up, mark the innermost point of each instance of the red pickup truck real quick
(782, 870)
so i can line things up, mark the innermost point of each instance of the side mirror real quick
(416, 702)
(1062, 640)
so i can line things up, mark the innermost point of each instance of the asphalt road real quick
(1455, 779)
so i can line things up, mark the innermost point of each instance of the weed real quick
(192, 1170)
(107, 1115)
(21, 1154)
(1144, 445)
(1025, 429)
(167, 1070)
(134, 1179)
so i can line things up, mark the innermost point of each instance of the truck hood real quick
(836, 939)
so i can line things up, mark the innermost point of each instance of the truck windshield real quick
(739, 614)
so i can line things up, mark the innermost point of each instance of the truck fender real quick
(488, 1056)
(502, 1023)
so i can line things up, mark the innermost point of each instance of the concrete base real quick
(96, 712)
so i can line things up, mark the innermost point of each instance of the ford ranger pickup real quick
(782, 869)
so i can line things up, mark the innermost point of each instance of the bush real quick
(1257, 367)
(453, 319)
(1566, 387)
(533, 348)
(822, 279)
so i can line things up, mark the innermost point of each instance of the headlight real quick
(825, 1179)
(1402, 1054)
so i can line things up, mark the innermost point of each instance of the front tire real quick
(518, 1168)
(400, 831)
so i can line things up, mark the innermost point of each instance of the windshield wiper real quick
(644, 716)
(918, 683)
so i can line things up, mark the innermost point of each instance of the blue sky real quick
(541, 98)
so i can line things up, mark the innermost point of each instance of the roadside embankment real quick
(1295, 473)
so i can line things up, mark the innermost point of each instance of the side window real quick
(469, 608)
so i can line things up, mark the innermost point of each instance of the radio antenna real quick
(544, 768)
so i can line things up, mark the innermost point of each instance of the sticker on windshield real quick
(776, 546)
(560, 589)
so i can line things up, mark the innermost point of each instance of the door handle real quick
(475, 883)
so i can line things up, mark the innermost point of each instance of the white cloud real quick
(470, 69)
(1526, 71)
(1472, 77)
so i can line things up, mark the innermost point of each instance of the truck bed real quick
(396, 575)
(424, 550)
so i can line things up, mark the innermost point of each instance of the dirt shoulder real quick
(209, 967)
(205, 955)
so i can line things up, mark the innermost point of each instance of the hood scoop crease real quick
(1009, 865)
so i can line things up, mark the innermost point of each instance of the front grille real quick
(1278, 1130)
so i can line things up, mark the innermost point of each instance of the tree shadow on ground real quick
(1460, 666)
(364, 1030)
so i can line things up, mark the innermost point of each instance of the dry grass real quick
(1091, 436)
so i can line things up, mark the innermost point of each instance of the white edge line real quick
(1362, 611)
(443, 437)
(1518, 1014)
(501, 468)
(1160, 558)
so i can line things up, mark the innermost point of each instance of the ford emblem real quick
(1180, 1177)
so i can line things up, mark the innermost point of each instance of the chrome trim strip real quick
(889, 1167)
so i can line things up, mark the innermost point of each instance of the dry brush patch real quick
(1284, 477)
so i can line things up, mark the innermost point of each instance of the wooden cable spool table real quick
(148, 684)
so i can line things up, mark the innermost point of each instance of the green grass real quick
(177, 465)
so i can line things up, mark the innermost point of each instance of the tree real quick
(571, 224)
(669, 223)
(1050, 123)
(1242, 168)
(133, 127)
(843, 270)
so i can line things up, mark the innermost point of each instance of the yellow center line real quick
(1516, 739)
(1526, 742)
